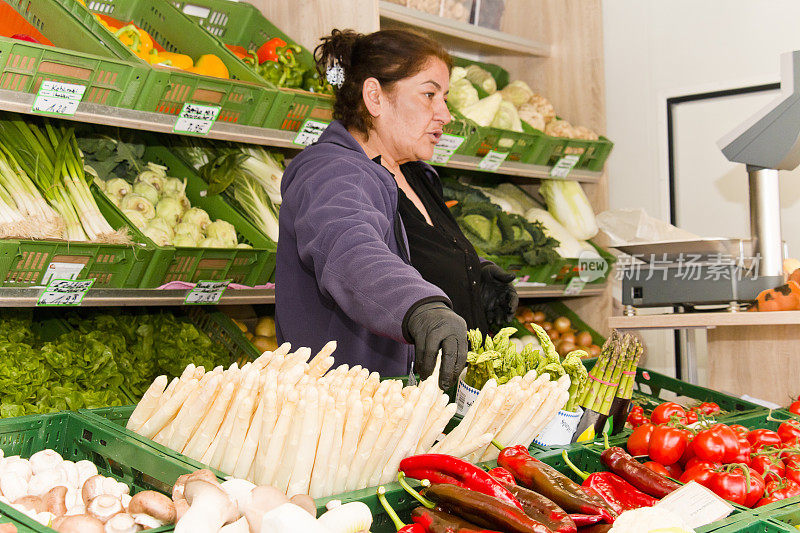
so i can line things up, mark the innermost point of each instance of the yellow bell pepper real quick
(181, 61)
(139, 41)
(210, 65)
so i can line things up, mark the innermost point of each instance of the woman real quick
(368, 254)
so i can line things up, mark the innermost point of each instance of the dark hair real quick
(387, 55)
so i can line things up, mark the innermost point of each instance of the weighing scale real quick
(729, 271)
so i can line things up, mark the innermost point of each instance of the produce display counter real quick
(748, 353)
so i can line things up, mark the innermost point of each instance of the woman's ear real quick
(372, 94)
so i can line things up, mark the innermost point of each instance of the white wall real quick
(655, 50)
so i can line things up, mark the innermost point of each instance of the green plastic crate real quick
(571, 267)
(221, 329)
(784, 511)
(534, 274)
(241, 24)
(593, 154)
(23, 262)
(248, 266)
(758, 526)
(76, 438)
(78, 57)
(244, 99)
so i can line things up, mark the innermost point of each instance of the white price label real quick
(696, 505)
(564, 165)
(56, 98)
(574, 287)
(64, 292)
(196, 118)
(56, 270)
(492, 160)
(309, 132)
(206, 292)
(445, 148)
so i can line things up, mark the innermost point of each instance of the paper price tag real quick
(64, 292)
(56, 98)
(564, 165)
(574, 287)
(492, 160)
(196, 119)
(309, 132)
(696, 505)
(445, 148)
(57, 270)
(206, 292)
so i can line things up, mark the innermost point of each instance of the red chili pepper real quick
(629, 469)
(268, 50)
(583, 520)
(465, 473)
(25, 37)
(779, 490)
(502, 475)
(552, 484)
(438, 521)
(617, 493)
(398, 524)
(542, 509)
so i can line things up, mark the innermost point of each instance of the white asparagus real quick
(165, 413)
(320, 369)
(352, 432)
(319, 474)
(309, 438)
(336, 450)
(195, 413)
(201, 440)
(468, 447)
(323, 354)
(365, 445)
(244, 462)
(148, 404)
(384, 452)
(287, 458)
(230, 425)
(244, 415)
(276, 443)
(387, 431)
(485, 418)
(560, 400)
(485, 397)
(433, 416)
(267, 428)
(435, 429)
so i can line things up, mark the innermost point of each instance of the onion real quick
(539, 317)
(583, 338)
(526, 315)
(547, 326)
(568, 337)
(553, 334)
(593, 350)
(565, 347)
(562, 324)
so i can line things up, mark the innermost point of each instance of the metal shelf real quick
(27, 297)
(512, 168)
(460, 36)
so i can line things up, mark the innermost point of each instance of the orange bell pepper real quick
(210, 65)
(181, 61)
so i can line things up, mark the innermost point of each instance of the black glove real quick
(433, 326)
(498, 296)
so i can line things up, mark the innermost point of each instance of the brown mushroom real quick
(104, 507)
(33, 503)
(80, 523)
(55, 501)
(92, 488)
(204, 474)
(154, 504)
(210, 508)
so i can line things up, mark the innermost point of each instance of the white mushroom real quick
(73, 498)
(76, 509)
(204, 474)
(103, 507)
(125, 499)
(86, 469)
(263, 499)
(122, 523)
(44, 481)
(240, 526)
(71, 475)
(44, 518)
(210, 508)
(97, 485)
(13, 486)
(16, 466)
(153, 504)
(78, 524)
(45, 460)
(239, 491)
(147, 521)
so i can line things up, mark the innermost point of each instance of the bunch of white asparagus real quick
(512, 413)
(285, 421)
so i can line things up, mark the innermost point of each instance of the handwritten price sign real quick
(206, 292)
(65, 292)
(445, 148)
(55, 98)
(196, 119)
(309, 132)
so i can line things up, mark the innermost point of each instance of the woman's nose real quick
(441, 113)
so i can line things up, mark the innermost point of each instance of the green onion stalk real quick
(34, 217)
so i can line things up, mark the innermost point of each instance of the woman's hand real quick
(434, 326)
(499, 297)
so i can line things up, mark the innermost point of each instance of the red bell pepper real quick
(268, 50)
(465, 473)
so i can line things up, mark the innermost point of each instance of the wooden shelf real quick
(704, 320)
(459, 36)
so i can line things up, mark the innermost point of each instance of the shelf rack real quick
(27, 297)
(460, 36)
(704, 320)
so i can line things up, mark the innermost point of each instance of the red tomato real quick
(731, 441)
(700, 473)
(731, 484)
(744, 452)
(759, 438)
(741, 430)
(789, 431)
(688, 455)
(792, 471)
(779, 490)
(639, 440)
(696, 461)
(664, 413)
(708, 408)
(675, 470)
(658, 468)
(795, 407)
(667, 444)
(636, 417)
(691, 417)
(708, 445)
(769, 466)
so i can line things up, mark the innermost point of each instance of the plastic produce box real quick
(241, 24)
(244, 99)
(24, 262)
(77, 438)
(77, 56)
(248, 266)
(787, 514)
(593, 154)
(571, 267)
(533, 274)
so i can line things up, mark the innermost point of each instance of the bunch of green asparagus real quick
(613, 374)
(497, 358)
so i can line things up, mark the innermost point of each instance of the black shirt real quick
(441, 253)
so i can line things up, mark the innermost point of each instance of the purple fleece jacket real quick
(342, 268)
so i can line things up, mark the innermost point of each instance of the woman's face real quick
(413, 113)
